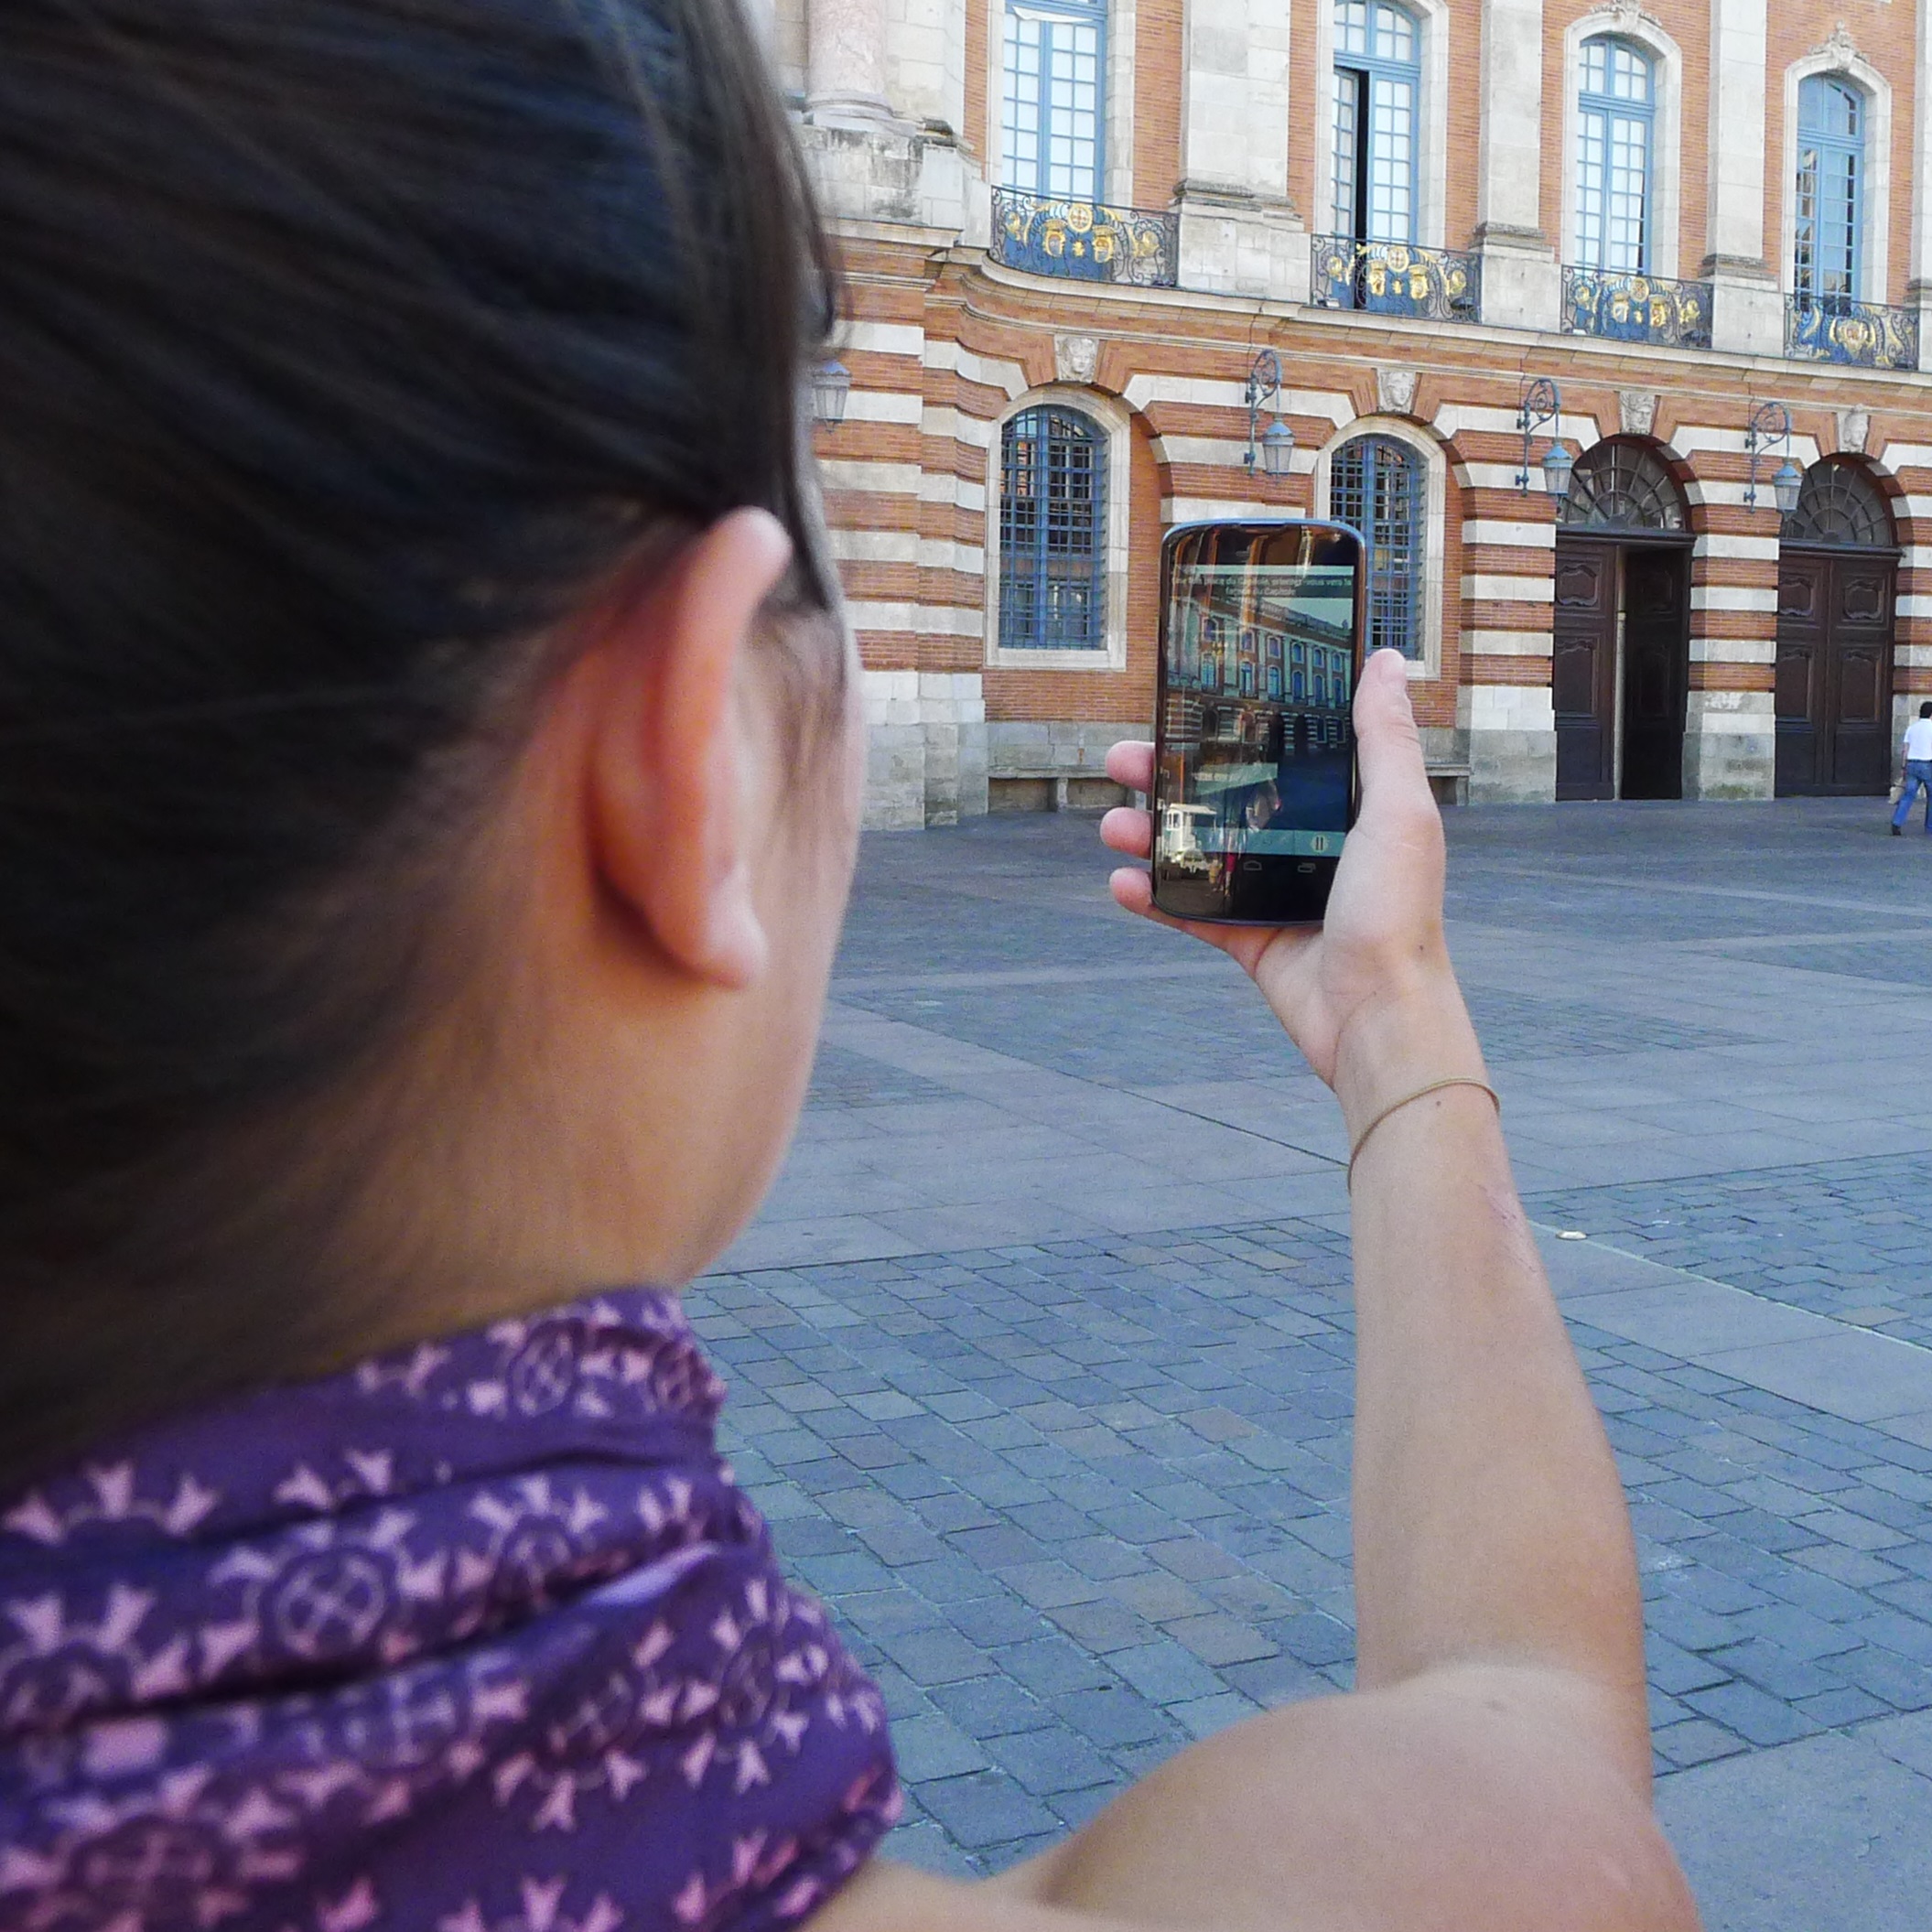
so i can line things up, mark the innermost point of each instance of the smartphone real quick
(1255, 784)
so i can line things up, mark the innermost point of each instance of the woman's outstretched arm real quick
(1492, 1771)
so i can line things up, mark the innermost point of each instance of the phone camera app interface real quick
(1256, 740)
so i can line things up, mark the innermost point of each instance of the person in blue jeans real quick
(1918, 770)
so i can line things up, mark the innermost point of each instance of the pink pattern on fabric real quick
(482, 1636)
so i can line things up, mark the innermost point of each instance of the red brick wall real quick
(976, 134)
(1157, 102)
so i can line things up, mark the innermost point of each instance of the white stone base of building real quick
(926, 748)
(1729, 745)
(1510, 734)
(1058, 765)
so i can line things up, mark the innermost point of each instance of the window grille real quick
(1375, 484)
(1053, 100)
(1840, 505)
(1379, 88)
(1052, 533)
(1828, 238)
(1617, 113)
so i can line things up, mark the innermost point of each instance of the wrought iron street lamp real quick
(831, 387)
(1771, 423)
(1275, 446)
(1543, 408)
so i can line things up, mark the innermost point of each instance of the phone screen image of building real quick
(1257, 739)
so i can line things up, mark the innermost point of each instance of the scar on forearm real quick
(1506, 1211)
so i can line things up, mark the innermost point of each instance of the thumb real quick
(1389, 745)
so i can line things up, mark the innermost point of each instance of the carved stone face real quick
(1636, 411)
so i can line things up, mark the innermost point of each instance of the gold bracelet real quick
(1396, 1106)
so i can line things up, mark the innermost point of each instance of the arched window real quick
(1378, 91)
(1375, 484)
(1053, 98)
(1829, 234)
(1052, 531)
(1616, 121)
(1840, 505)
(1622, 486)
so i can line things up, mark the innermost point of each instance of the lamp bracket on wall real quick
(1771, 423)
(1542, 408)
(1275, 445)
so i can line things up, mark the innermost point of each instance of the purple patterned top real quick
(476, 1638)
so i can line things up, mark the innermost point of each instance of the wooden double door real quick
(1834, 670)
(1622, 650)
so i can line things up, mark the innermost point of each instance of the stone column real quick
(1747, 309)
(1240, 232)
(845, 62)
(1522, 283)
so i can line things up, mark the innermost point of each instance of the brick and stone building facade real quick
(1072, 227)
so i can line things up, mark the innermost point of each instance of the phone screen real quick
(1254, 759)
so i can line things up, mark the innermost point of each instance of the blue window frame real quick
(1378, 92)
(1375, 484)
(1055, 98)
(1052, 533)
(1616, 140)
(1828, 263)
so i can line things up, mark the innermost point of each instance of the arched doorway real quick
(1837, 573)
(1622, 643)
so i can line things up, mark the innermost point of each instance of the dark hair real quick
(1925, 710)
(345, 345)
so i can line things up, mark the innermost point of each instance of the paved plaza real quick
(1041, 1350)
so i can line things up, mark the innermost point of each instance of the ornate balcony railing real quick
(1396, 278)
(1625, 306)
(1084, 239)
(1835, 329)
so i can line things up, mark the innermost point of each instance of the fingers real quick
(1127, 831)
(1133, 889)
(1131, 763)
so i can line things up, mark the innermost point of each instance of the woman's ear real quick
(671, 804)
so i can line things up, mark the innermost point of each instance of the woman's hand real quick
(1369, 996)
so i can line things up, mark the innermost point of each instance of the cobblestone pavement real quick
(1041, 1351)
(1845, 1237)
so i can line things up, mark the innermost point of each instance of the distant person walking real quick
(1918, 770)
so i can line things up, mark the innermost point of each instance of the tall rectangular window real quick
(1378, 87)
(1829, 238)
(1617, 116)
(1051, 100)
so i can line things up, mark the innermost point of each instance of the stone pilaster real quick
(1240, 234)
(1747, 309)
(1522, 280)
(1918, 289)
